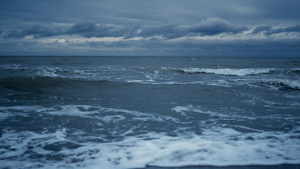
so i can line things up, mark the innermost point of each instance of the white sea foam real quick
(229, 71)
(10, 66)
(4, 116)
(217, 147)
(190, 109)
(5, 112)
(104, 114)
(196, 109)
(48, 72)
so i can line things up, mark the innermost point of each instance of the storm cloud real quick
(268, 30)
(207, 27)
(170, 27)
(89, 30)
(215, 26)
(37, 31)
(290, 29)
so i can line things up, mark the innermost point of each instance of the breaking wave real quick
(214, 147)
(141, 112)
(282, 83)
(74, 145)
(227, 71)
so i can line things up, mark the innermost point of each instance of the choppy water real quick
(131, 112)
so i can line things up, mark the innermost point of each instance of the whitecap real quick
(48, 72)
(283, 83)
(228, 71)
(196, 109)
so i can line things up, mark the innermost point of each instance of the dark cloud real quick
(12, 34)
(169, 27)
(268, 30)
(36, 31)
(89, 30)
(82, 28)
(261, 29)
(40, 31)
(86, 30)
(165, 31)
(284, 30)
(207, 27)
(215, 26)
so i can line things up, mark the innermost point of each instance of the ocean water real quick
(138, 112)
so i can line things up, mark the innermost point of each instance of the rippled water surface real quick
(133, 112)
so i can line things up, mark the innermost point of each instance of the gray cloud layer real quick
(208, 27)
(168, 27)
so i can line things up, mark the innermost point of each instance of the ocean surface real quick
(138, 112)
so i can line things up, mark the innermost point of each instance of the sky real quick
(235, 28)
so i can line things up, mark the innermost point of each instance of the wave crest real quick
(284, 84)
(227, 71)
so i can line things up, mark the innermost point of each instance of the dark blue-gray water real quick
(133, 112)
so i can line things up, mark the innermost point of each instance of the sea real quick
(149, 112)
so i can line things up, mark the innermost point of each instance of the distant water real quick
(133, 112)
